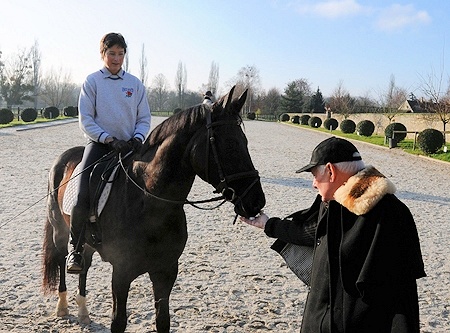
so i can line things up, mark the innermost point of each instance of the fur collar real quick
(364, 190)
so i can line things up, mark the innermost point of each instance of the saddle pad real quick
(71, 193)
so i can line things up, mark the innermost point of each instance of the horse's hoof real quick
(62, 312)
(83, 313)
(84, 319)
(62, 308)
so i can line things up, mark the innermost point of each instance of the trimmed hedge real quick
(430, 140)
(365, 128)
(284, 117)
(28, 115)
(315, 122)
(295, 119)
(348, 126)
(70, 111)
(251, 116)
(51, 112)
(304, 118)
(330, 124)
(6, 116)
(389, 131)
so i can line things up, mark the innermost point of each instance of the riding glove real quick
(120, 146)
(136, 144)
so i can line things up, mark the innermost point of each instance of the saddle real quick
(100, 183)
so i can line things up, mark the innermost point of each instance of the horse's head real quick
(229, 167)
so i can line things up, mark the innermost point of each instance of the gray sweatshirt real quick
(113, 105)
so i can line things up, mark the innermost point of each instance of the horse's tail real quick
(50, 261)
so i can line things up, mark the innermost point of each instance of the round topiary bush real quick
(284, 117)
(28, 115)
(315, 122)
(251, 116)
(430, 140)
(365, 128)
(295, 119)
(304, 118)
(6, 116)
(51, 112)
(389, 131)
(347, 126)
(330, 124)
(70, 111)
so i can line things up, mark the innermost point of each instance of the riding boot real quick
(78, 220)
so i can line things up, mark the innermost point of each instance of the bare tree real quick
(160, 92)
(438, 97)
(57, 88)
(126, 62)
(180, 83)
(213, 81)
(391, 99)
(143, 66)
(36, 67)
(16, 79)
(341, 102)
(248, 78)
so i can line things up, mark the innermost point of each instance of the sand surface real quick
(229, 279)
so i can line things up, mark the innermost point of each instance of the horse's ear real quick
(241, 100)
(225, 100)
(230, 98)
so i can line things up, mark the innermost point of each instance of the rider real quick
(114, 115)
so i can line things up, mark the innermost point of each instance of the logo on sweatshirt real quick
(128, 91)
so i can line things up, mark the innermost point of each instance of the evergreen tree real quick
(317, 103)
(294, 96)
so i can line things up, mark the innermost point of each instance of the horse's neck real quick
(167, 171)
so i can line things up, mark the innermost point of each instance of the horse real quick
(143, 223)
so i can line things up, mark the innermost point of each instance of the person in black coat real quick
(357, 247)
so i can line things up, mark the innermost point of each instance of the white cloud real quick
(331, 8)
(397, 17)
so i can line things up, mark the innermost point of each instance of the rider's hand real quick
(136, 144)
(120, 146)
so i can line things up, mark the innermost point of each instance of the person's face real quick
(324, 181)
(113, 58)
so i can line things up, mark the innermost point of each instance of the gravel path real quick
(229, 280)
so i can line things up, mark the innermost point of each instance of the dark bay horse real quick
(143, 224)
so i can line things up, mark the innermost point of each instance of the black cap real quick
(332, 150)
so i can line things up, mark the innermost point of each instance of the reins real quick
(176, 202)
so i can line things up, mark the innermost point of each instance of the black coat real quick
(365, 264)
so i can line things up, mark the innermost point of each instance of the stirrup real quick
(75, 263)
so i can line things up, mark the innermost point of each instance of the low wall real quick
(412, 121)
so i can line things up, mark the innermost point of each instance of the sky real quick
(358, 44)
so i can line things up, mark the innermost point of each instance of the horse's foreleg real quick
(162, 286)
(120, 288)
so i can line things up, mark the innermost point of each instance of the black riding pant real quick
(93, 152)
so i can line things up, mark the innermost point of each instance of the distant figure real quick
(207, 98)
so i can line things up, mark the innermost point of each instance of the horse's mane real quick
(185, 120)
(190, 118)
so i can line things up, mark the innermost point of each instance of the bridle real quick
(223, 187)
(227, 192)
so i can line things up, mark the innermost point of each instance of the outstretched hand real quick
(259, 221)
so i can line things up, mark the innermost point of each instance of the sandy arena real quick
(229, 279)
